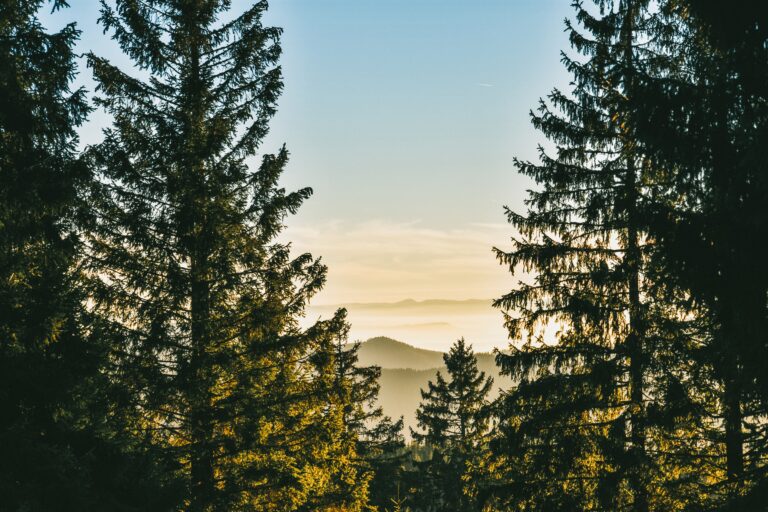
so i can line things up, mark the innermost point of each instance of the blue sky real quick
(404, 116)
(413, 109)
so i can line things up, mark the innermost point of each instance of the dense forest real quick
(151, 355)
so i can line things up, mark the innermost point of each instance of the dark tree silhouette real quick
(706, 122)
(61, 449)
(46, 363)
(576, 425)
(453, 421)
(185, 264)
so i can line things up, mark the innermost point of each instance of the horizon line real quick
(397, 302)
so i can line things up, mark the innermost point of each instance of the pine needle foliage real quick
(574, 433)
(705, 120)
(48, 367)
(453, 420)
(185, 262)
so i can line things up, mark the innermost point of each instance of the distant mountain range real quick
(410, 305)
(405, 370)
(432, 324)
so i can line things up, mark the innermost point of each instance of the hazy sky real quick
(404, 116)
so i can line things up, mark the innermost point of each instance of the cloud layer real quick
(380, 261)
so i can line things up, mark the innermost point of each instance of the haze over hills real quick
(391, 354)
(406, 369)
(407, 305)
(430, 324)
(430, 327)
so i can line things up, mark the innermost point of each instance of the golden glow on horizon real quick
(382, 261)
(387, 262)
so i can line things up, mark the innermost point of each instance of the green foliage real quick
(453, 417)
(706, 122)
(61, 451)
(186, 270)
(151, 356)
(575, 432)
(642, 237)
(370, 442)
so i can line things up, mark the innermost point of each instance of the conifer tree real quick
(379, 439)
(62, 448)
(186, 268)
(359, 433)
(47, 365)
(383, 449)
(706, 121)
(453, 418)
(574, 433)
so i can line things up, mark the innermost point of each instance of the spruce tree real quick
(453, 419)
(383, 449)
(186, 268)
(378, 439)
(706, 121)
(46, 364)
(62, 448)
(365, 445)
(574, 432)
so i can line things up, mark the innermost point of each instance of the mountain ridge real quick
(389, 353)
(406, 369)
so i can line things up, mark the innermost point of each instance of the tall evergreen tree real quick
(48, 367)
(574, 433)
(186, 269)
(706, 121)
(453, 417)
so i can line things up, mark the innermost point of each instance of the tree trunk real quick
(635, 340)
(730, 294)
(202, 483)
(201, 457)
(636, 352)
(734, 438)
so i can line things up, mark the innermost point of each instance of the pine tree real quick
(364, 444)
(705, 121)
(46, 365)
(378, 439)
(454, 420)
(383, 448)
(185, 266)
(62, 449)
(574, 433)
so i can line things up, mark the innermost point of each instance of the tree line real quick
(151, 356)
(645, 241)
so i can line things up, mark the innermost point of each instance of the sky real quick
(404, 116)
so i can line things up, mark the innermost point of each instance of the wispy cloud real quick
(484, 84)
(388, 261)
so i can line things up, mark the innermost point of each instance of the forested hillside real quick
(405, 370)
(156, 351)
(389, 353)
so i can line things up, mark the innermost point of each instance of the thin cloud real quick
(379, 261)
